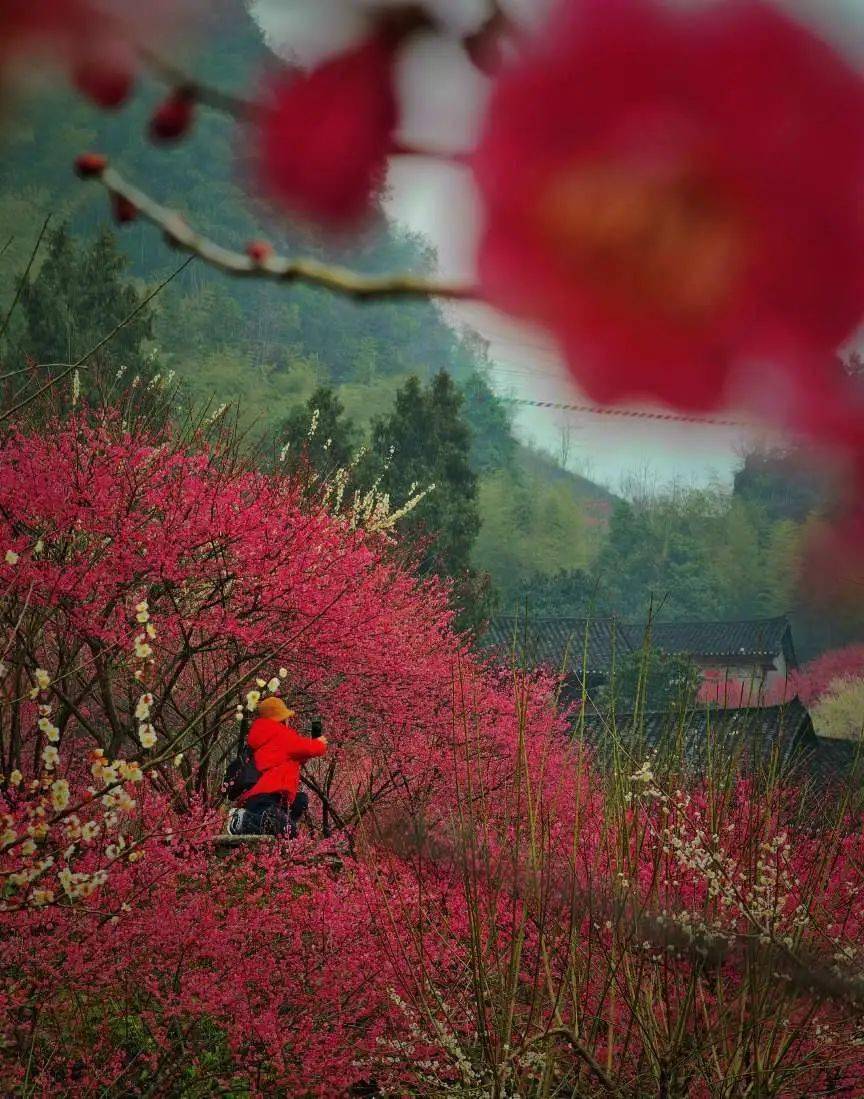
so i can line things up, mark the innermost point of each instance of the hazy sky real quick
(436, 200)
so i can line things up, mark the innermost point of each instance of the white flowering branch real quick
(333, 277)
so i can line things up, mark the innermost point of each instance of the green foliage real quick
(79, 295)
(563, 594)
(530, 526)
(650, 679)
(783, 483)
(425, 441)
(701, 554)
(839, 713)
(658, 552)
(318, 434)
(492, 443)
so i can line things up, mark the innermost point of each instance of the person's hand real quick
(323, 740)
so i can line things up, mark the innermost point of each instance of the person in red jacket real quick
(275, 804)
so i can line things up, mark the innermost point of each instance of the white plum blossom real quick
(106, 773)
(146, 735)
(274, 685)
(11, 557)
(59, 793)
(130, 771)
(49, 729)
(50, 757)
(142, 710)
(124, 802)
(252, 700)
(43, 679)
(142, 649)
(644, 774)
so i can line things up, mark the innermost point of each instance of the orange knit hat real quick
(274, 708)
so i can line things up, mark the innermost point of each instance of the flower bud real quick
(88, 165)
(173, 117)
(124, 210)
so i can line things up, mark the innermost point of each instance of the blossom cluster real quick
(484, 871)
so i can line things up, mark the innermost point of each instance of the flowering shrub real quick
(546, 926)
(152, 594)
(811, 681)
(839, 713)
(110, 537)
(507, 914)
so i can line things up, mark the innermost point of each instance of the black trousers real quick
(266, 814)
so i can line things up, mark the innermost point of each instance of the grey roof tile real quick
(758, 740)
(560, 643)
(563, 644)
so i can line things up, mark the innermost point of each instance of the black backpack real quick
(241, 774)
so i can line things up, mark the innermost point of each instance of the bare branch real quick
(240, 109)
(341, 280)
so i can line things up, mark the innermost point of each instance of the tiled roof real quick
(559, 643)
(836, 763)
(766, 637)
(694, 735)
(759, 740)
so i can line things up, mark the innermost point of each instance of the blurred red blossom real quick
(84, 38)
(93, 42)
(174, 116)
(90, 164)
(675, 192)
(324, 136)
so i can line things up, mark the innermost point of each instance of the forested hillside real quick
(285, 355)
(265, 348)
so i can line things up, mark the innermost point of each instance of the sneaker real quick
(235, 822)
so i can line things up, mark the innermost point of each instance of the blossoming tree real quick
(673, 192)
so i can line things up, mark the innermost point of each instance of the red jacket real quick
(279, 753)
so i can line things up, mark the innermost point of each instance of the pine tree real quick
(426, 441)
(78, 297)
(318, 434)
